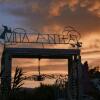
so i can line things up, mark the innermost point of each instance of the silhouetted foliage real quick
(93, 75)
(18, 78)
(44, 92)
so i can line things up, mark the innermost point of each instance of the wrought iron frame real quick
(68, 36)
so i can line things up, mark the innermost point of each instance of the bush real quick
(44, 92)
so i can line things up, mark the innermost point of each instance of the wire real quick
(39, 66)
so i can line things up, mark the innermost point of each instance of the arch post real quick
(74, 78)
(6, 72)
(80, 78)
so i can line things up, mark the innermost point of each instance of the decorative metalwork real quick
(47, 76)
(42, 77)
(18, 35)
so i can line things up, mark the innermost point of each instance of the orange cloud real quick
(95, 9)
(93, 6)
(91, 41)
(56, 7)
(35, 7)
(52, 28)
(72, 4)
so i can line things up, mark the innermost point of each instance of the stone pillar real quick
(70, 61)
(74, 78)
(6, 72)
(80, 78)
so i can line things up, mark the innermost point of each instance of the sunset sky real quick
(52, 16)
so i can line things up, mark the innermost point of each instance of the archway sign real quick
(69, 36)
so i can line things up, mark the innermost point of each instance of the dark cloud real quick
(50, 13)
(54, 15)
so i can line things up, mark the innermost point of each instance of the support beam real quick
(41, 53)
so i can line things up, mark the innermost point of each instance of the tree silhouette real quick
(90, 78)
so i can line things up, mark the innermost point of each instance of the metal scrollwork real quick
(73, 36)
(19, 35)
